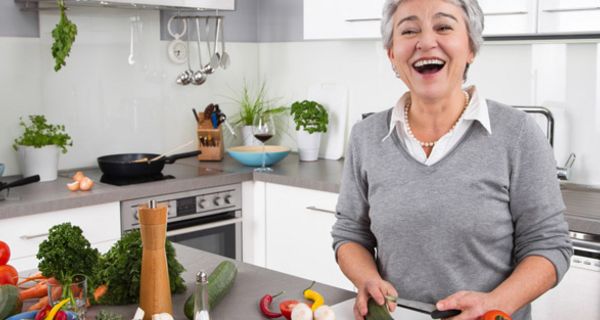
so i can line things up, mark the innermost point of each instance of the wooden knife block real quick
(155, 291)
(210, 140)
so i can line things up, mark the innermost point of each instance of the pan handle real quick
(21, 182)
(177, 156)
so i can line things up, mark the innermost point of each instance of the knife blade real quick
(423, 307)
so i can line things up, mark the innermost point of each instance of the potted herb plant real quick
(250, 106)
(39, 146)
(311, 119)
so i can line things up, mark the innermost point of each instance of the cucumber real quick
(377, 312)
(220, 282)
(9, 300)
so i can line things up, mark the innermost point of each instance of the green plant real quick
(250, 106)
(310, 116)
(64, 35)
(39, 133)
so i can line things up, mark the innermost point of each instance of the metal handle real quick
(313, 208)
(362, 19)
(571, 9)
(29, 237)
(204, 227)
(504, 13)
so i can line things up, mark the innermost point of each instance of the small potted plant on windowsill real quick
(311, 119)
(39, 146)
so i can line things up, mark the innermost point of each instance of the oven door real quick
(220, 234)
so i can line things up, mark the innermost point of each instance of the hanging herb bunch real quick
(64, 35)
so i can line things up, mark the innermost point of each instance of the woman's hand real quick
(376, 290)
(472, 304)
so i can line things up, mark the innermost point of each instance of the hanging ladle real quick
(185, 78)
(213, 63)
(225, 61)
(199, 77)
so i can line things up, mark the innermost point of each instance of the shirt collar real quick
(477, 110)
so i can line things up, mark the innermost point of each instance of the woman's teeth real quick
(429, 65)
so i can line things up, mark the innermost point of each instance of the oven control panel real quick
(187, 204)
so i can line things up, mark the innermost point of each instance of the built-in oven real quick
(208, 219)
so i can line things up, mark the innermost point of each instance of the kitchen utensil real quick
(251, 156)
(16, 183)
(164, 154)
(155, 291)
(225, 60)
(195, 116)
(199, 76)
(177, 49)
(344, 310)
(185, 78)
(209, 68)
(564, 172)
(217, 34)
(121, 165)
(423, 307)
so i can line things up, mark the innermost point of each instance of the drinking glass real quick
(263, 129)
(75, 291)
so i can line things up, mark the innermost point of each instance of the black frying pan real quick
(122, 165)
(16, 183)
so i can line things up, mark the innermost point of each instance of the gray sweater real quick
(463, 223)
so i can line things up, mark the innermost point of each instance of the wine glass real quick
(263, 129)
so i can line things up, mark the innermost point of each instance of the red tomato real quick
(10, 272)
(286, 307)
(43, 313)
(5, 278)
(495, 315)
(4, 253)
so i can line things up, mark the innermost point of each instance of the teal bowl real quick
(251, 156)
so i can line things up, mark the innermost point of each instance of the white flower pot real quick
(42, 161)
(308, 145)
(248, 136)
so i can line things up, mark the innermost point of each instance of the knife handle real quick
(437, 314)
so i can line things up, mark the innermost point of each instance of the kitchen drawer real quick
(509, 17)
(569, 16)
(100, 223)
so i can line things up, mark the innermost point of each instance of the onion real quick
(73, 186)
(324, 313)
(302, 311)
(78, 176)
(86, 184)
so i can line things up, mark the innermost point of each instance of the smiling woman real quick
(456, 194)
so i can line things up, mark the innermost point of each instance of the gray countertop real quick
(251, 284)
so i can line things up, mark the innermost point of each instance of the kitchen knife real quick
(424, 308)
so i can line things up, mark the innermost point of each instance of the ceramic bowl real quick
(252, 155)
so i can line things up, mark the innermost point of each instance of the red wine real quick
(263, 137)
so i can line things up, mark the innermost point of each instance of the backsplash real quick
(109, 106)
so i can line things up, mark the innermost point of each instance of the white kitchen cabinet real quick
(101, 225)
(569, 16)
(298, 234)
(342, 19)
(509, 17)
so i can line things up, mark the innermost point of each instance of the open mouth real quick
(428, 66)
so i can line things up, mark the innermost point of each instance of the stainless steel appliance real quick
(578, 294)
(208, 219)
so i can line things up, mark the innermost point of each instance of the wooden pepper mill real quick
(155, 291)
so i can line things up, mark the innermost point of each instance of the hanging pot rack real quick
(179, 5)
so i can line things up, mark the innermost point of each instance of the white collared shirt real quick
(477, 110)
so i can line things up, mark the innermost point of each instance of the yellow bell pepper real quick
(56, 308)
(313, 295)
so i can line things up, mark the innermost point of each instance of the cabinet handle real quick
(204, 226)
(571, 9)
(29, 237)
(362, 19)
(313, 208)
(504, 13)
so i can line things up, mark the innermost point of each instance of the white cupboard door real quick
(101, 224)
(299, 242)
(342, 19)
(509, 17)
(569, 16)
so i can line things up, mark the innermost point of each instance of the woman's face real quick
(430, 46)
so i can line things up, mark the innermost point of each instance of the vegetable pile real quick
(296, 310)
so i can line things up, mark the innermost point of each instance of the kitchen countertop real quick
(583, 202)
(251, 284)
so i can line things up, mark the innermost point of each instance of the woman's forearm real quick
(357, 263)
(531, 278)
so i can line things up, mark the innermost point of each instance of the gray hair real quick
(471, 9)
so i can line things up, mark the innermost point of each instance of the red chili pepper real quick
(61, 315)
(265, 303)
(43, 313)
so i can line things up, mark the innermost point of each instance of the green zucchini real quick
(377, 312)
(220, 282)
(9, 301)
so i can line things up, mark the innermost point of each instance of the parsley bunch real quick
(64, 35)
(40, 133)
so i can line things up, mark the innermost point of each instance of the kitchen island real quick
(251, 284)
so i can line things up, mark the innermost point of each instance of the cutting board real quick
(334, 98)
(343, 310)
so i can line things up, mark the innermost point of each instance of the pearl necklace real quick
(428, 144)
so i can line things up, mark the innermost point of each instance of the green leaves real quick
(39, 133)
(64, 35)
(310, 116)
(251, 106)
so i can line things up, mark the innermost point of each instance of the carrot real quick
(41, 304)
(36, 276)
(100, 291)
(37, 291)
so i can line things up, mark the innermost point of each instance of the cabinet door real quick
(509, 17)
(101, 225)
(569, 16)
(342, 19)
(298, 228)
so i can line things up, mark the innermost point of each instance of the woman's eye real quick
(408, 32)
(444, 28)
